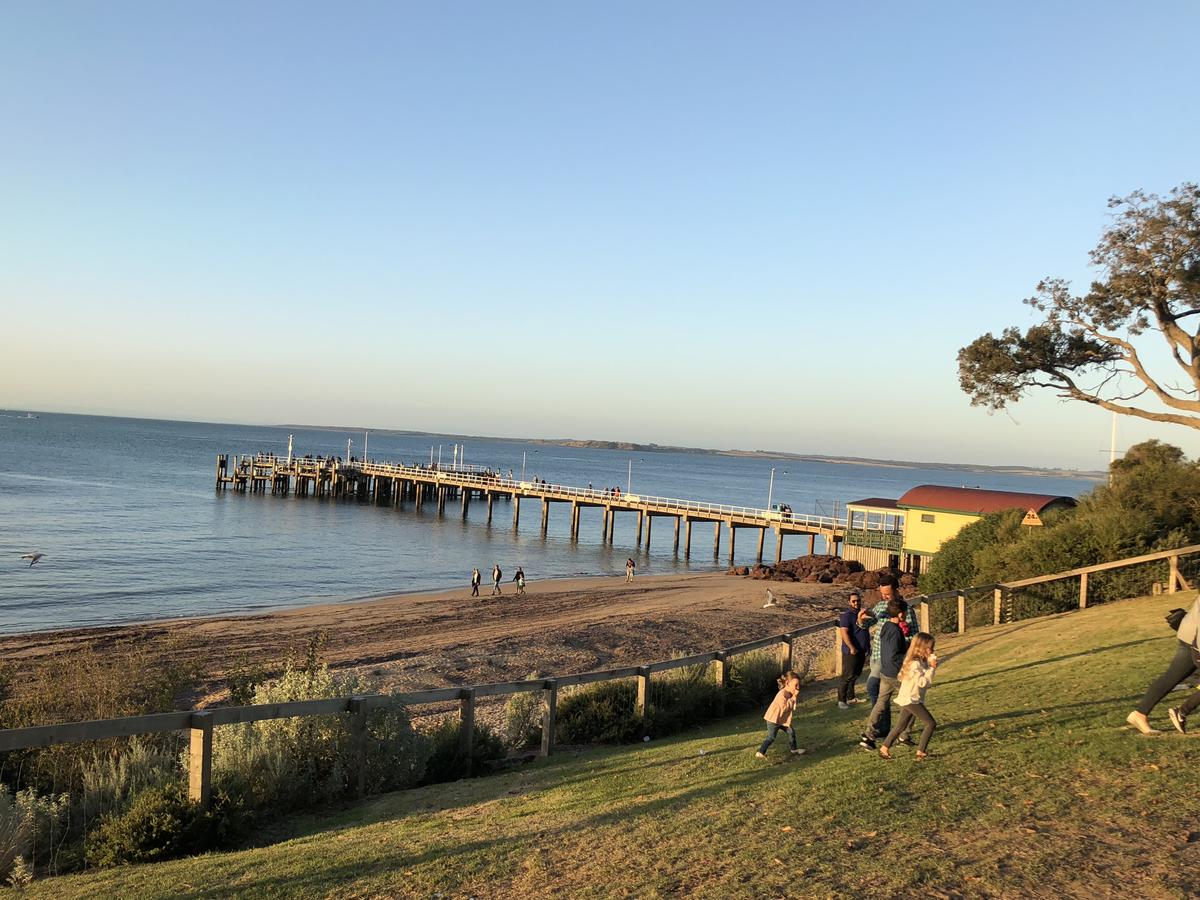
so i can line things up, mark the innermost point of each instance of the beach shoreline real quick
(431, 639)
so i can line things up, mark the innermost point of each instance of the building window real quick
(927, 517)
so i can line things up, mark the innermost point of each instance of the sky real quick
(707, 224)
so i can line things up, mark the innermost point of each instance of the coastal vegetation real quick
(1152, 503)
(1090, 347)
(1034, 790)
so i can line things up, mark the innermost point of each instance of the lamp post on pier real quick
(771, 489)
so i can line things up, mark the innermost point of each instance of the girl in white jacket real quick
(916, 675)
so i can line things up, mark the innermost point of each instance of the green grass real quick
(1035, 789)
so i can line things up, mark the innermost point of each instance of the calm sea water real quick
(125, 511)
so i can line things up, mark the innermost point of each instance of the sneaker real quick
(1138, 721)
(843, 705)
(1178, 719)
(800, 752)
(758, 754)
(906, 741)
(867, 743)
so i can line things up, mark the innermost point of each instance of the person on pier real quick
(476, 580)
(496, 576)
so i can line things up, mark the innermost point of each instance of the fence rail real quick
(201, 722)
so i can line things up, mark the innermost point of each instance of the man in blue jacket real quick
(893, 645)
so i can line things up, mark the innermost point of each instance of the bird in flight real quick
(32, 557)
(771, 601)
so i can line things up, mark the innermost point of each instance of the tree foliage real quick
(1090, 347)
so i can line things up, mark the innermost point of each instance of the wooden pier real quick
(395, 484)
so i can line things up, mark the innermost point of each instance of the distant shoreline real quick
(1032, 471)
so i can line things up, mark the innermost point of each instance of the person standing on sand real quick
(496, 576)
(519, 579)
(629, 567)
(476, 580)
(855, 647)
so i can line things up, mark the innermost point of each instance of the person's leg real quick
(772, 730)
(791, 730)
(919, 710)
(1181, 666)
(847, 679)
(859, 660)
(882, 707)
(1193, 700)
(901, 724)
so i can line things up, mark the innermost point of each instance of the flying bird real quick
(770, 599)
(32, 557)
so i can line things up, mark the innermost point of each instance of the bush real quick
(31, 828)
(447, 761)
(282, 764)
(682, 698)
(523, 719)
(160, 823)
(753, 681)
(600, 713)
(111, 780)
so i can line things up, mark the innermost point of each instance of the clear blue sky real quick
(715, 224)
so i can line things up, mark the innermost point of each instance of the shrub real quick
(523, 719)
(684, 697)
(282, 764)
(447, 761)
(753, 681)
(31, 828)
(600, 713)
(111, 780)
(160, 823)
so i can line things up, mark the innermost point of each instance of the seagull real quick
(32, 557)
(770, 600)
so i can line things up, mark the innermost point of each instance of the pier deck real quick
(396, 484)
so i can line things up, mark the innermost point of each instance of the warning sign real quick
(1032, 518)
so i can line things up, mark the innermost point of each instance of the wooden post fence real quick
(200, 758)
(466, 729)
(962, 612)
(549, 715)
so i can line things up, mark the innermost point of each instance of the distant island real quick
(629, 446)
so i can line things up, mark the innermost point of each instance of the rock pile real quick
(827, 570)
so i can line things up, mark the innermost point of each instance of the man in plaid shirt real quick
(874, 619)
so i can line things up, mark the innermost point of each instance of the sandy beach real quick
(428, 640)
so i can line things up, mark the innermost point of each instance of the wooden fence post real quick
(549, 715)
(721, 669)
(997, 604)
(837, 652)
(200, 759)
(962, 612)
(785, 652)
(923, 616)
(1083, 591)
(643, 691)
(466, 728)
(358, 742)
(1173, 578)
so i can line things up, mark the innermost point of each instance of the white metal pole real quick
(522, 465)
(364, 446)
(1112, 452)
(771, 488)
(289, 449)
(439, 457)
(629, 480)
(347, 451)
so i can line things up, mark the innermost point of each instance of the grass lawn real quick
(1035, 789)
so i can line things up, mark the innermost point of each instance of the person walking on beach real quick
(629, 567)
(876, 617)
(893, 646)
(1182, 664)
(855, 647)
(519, 578)
(476, 580)
(496, 576)
(779, 714)
(916, 675)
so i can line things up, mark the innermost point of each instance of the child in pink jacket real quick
(779, 713)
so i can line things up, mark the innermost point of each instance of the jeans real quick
(1182, 665)
(907, 714)
(882, 710)
(772, 731)
(852, 667)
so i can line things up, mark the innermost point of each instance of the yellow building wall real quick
(928, 537)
